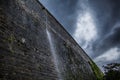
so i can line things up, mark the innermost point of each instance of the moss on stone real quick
(98, 73)
(11, 39)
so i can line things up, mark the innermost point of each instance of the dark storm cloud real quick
(107, 14)
(110, 41)
(64, 11)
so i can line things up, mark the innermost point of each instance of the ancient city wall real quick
(35, 46)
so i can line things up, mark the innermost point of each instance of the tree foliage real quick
(112, 71)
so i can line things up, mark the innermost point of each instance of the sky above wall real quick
(94, 24)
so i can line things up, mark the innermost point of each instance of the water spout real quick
(54, 55)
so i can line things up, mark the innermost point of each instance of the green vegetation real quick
(112, 71)
(11, 39)
(96, 71)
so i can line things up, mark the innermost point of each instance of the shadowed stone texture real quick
(25, 52)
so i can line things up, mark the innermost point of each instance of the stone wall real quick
(25, 50)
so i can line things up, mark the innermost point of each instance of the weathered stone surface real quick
(25, 50)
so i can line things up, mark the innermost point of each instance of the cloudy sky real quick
(94, 24)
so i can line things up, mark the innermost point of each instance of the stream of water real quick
(54, 55)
